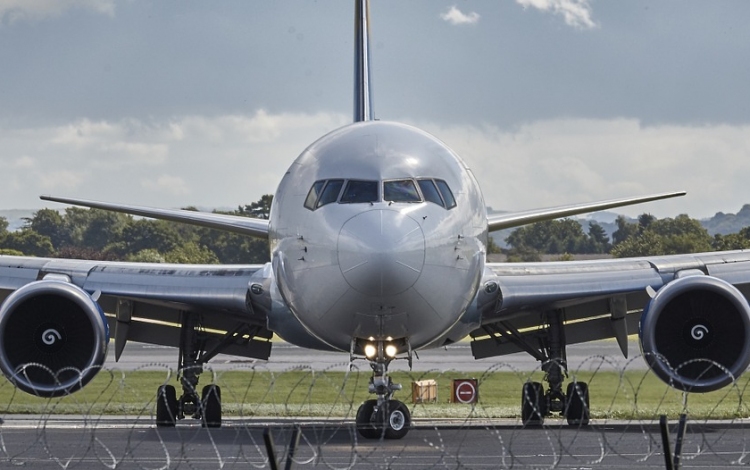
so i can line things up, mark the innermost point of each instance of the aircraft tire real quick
(166, 406)
(533, 407)
(364, 420)
(577, 404)
(211, 400)
(397, 420)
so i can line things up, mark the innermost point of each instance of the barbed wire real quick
(110, 423)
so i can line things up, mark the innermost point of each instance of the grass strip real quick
(307, 393)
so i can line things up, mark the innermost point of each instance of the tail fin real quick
(362, 101)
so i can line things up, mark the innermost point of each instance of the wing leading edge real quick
(243, 225)
(518, 219)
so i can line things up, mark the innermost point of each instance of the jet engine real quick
(695, 333)
(54, 338)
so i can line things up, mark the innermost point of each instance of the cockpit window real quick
(445, 191)
(400, 191)
(312, 196)
(330, 192)
(360, 191)
(430, 192)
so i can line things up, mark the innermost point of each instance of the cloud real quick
(167, 183)
(218, 161)
(455, 16)
(224, 161)
(577, 13)
(16, 10)
(553, 162)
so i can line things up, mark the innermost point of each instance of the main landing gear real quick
(535, 403)
(207, 406)
(382, 417)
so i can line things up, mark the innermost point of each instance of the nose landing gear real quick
(382, 418)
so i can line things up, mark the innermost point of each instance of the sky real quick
(172, 103)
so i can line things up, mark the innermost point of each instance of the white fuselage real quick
(388, 268)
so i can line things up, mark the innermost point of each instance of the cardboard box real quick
(424, 391)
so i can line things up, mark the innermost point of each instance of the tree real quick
(28, 242)
(260, 209)
(148, 255)
(492, 246)
(191, 253)
(102, 228)
(645, 244)
(3, 229)
(681, 235)
(598, 238)
(665, 237)
(49, 223)
(142, 234)
(550, 237)
(624, 230)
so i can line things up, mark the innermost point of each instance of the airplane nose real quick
(381, 252)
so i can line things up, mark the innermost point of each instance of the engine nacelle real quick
(54, 338)
(695, 333)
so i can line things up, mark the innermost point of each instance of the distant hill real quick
(728, 223)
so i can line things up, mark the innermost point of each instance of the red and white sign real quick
(465, 391)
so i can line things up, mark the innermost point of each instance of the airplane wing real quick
(598, 299)
(242, 225)
(518, 219)
(144, 301)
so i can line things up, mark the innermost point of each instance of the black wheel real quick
(397, 420)
(166, 406)
(577, 404)
(211, 401)
(533, 406)
(365, 421)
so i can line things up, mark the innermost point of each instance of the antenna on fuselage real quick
(362, 101)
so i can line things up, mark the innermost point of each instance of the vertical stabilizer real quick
(362, 102)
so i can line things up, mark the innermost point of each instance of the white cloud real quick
(457, 17)
(217, 161)
(577, 13)
(548, 163)
(169, 184)
(229, 160)
(62, 180)
(15, 10)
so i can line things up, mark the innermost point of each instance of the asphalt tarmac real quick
(130, 442)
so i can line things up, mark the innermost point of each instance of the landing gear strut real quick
(535, 403)
(382, 417)
(207, 406)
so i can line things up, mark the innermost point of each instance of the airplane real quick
(378, 236)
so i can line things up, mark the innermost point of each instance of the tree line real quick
(648, 236)
(102, 235)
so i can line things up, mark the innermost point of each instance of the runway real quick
(130, 442)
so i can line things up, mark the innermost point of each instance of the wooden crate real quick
(424, 391)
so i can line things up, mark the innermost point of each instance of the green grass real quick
(305, 393)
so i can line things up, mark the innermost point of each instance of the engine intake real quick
(695, 333)
(54, 338)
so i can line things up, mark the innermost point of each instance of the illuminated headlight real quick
(390, 350)
(370, 350)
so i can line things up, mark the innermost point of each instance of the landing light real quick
(390, 350)
(370, 350)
